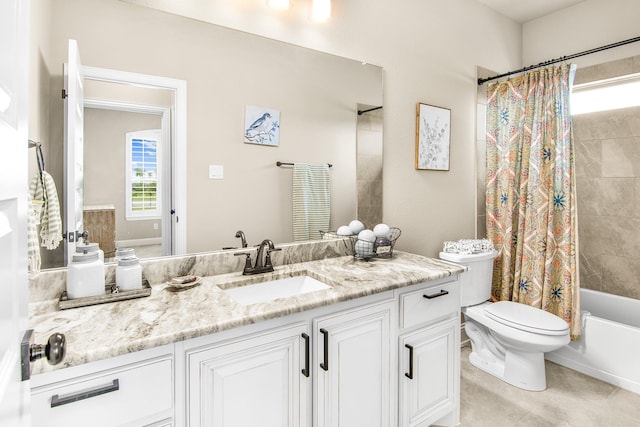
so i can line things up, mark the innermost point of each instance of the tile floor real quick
(571, 399)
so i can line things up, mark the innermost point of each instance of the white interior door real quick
(14, 38)
(74, 149)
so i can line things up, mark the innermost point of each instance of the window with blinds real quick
(143, 182)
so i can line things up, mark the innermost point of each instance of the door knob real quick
(54, 351)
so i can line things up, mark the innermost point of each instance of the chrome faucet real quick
(259, 266)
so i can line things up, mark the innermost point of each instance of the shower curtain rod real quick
(361, 112)
(564, 58)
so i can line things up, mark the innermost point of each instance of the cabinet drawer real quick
(429, 304)
(115, 397)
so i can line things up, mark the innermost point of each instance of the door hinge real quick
(64, 94)
(74, 236)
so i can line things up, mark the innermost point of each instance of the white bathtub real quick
(610, 343)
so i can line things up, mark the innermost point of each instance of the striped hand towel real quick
(311, 200)
(43, 189)
(33, 244)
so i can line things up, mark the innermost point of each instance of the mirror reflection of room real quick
(318, 95)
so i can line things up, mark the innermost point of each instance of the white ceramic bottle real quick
(129, 274)
(124, 253)
(85, 276)
(90, 247)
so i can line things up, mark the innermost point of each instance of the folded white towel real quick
(311, 200)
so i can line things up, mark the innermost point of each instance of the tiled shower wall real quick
(607, 146)
(481, 154)
(369, 167)
(607, 150)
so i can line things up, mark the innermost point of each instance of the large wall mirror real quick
(318, 96)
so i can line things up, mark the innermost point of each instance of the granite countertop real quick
(108, 330)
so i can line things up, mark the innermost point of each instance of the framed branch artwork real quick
(433, 137)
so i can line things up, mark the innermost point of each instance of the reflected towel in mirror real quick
(43, 190)
(311, 200)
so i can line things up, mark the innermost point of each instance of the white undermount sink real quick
(274, 289)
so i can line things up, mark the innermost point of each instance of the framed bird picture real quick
(261, 126)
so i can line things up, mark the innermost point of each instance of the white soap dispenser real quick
(89, 247)
(129, 274)
(85, 276)
(124, 253)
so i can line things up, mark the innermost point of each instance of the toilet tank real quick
(475, 283)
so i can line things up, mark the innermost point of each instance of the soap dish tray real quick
(112, 294)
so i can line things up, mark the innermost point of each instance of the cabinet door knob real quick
(410, 373)
(325, 364)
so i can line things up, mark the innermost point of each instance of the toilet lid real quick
(526, 318)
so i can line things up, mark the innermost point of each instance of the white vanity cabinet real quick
(429, 356)
(352, 367)
(260, 379)
(332, 362)
(132, 390)
(383, 360)
(338, 365)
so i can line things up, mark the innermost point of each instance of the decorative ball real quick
(364, 249)
(356, 226)
(367, 235)
(344, 230)
(381, 230)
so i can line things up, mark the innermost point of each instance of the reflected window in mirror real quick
(143, 182)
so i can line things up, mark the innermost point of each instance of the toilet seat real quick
(526, 318)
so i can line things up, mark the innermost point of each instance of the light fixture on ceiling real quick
(279, 4)
(320, 10)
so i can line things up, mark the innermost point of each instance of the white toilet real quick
(508, 339)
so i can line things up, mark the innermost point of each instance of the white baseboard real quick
(132, 243)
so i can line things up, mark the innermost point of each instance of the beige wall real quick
(587, 25)
(104, 165)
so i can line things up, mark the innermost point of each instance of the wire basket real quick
(382, 247)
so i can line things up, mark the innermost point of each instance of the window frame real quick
(144, 135)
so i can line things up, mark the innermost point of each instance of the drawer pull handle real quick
(305, 371)
(56, 400)
(325, 364)
(436, 295)
(410, 374)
